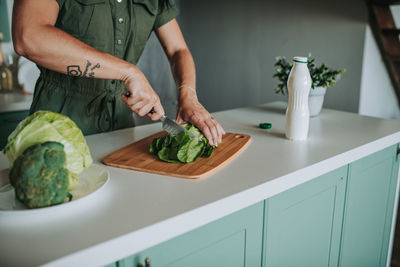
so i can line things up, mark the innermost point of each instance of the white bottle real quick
(297, 112)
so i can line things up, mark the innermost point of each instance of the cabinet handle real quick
(146, 262)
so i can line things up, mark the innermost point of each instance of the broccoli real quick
(39, 175)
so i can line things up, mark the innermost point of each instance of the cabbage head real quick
(45, 126)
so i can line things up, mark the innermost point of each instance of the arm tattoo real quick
(91, 73)
(88, 64)
(75, 70)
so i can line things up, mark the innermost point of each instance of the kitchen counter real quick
(136, 210)
(14, 102)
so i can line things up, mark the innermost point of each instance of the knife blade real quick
(174, 128)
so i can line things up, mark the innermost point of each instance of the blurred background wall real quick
(234, 44)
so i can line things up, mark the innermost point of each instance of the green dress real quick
(117, 27)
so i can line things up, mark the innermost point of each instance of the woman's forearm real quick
(39, 40)
(54, 49)
(183, 68)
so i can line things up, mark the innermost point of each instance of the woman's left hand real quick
(190, 110)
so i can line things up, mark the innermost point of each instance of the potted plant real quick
(322, 77)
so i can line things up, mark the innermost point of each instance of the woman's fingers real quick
(211, 129)
(157, 113)
(142, 98)
(216, 139)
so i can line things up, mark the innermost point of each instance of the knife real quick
(170, 125)
(174, 128)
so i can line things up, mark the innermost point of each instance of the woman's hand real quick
(183, 69)
(190, 110)
(142, 98)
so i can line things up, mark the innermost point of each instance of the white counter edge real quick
(157, 233)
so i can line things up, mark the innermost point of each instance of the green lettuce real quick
(181, 148)
(44, 126)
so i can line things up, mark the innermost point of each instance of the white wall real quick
(8, 47)
(377, 96)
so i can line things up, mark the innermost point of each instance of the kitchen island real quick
(271, 187)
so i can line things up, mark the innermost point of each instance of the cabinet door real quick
(235, 240)
(303, 224)
(368, 214)
(8, 122)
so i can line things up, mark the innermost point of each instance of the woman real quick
(87, 50)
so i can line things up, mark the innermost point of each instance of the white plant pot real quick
(316, 100)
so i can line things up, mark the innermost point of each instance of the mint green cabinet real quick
(8, 122)
(342, 218)
(303, 224)
(235, 240)
(368, 211)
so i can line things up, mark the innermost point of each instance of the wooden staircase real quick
(387, 37)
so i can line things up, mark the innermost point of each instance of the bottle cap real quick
(300, 59)
(265, 125)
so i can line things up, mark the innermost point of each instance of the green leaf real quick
(181, 147)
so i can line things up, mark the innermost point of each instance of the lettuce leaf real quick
(181, 148)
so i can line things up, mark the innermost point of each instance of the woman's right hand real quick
(142, 98)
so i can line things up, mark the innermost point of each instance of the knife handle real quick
(161, 119)
(128, 94)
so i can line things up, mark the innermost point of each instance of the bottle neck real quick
(300, 61)
(300, 64)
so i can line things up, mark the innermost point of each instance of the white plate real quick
(90, 181)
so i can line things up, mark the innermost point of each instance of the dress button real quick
(119, 41)
(121, 20)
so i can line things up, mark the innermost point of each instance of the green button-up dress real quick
(117, 27)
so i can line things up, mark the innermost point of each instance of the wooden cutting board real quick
(136, 156)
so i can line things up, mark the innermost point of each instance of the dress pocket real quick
(145, 15)
(76, 16)
(150, 5)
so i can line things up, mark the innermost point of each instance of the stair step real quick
(387, 37)
(393, 58)
(385, 2)
(390, 31)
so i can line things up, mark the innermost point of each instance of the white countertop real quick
(137, 210)
(14, 102)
